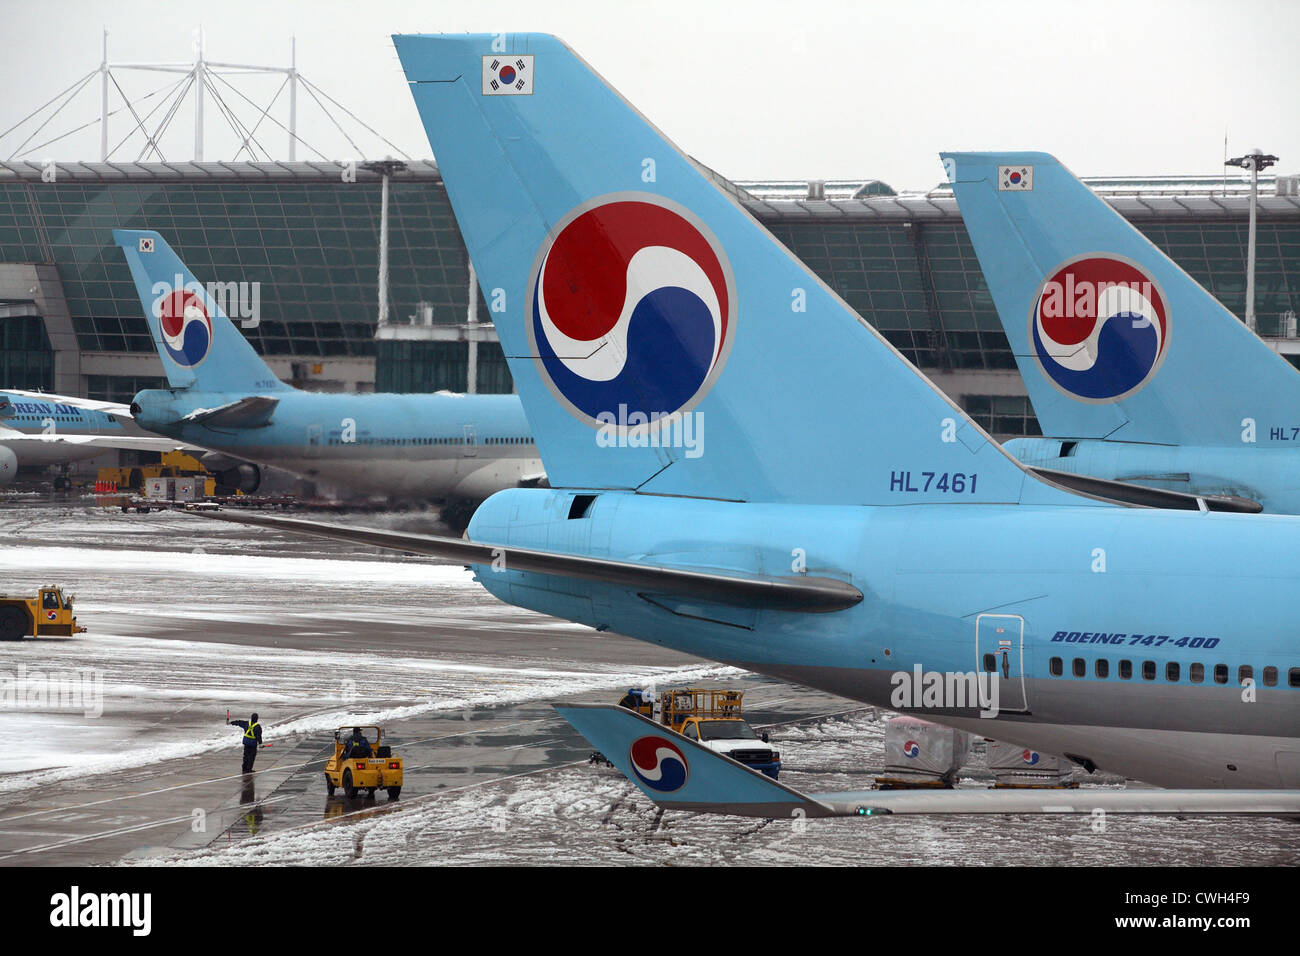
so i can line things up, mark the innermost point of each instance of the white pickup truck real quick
(711, 716)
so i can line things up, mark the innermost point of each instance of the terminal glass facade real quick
(26, 361)
(312, 244)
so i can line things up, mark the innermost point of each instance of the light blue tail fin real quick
(659, 337)
(199, 345)
(681, 774)
(1113, 339)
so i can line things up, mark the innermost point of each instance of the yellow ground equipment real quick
(47, 614)
(380, 769)
(711, 716)
(682, 704)
(172, 464)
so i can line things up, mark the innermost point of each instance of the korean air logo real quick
(1029, 756)
(1099, 327)
(186, 327)
(912, 749)
(658, 763)
(633, 310)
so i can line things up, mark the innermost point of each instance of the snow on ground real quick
(190, 686)
(582, 814)
(146, 583)
(120, 696)
(198, 561)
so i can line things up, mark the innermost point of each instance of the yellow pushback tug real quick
(49, 613)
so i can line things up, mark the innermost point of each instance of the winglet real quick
(682, 774)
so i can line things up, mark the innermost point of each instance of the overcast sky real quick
(758, 90)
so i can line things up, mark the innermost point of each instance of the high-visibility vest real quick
(249, 733)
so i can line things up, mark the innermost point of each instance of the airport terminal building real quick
(308, 234)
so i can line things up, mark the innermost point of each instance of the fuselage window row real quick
(1173, 671)
(428, 441)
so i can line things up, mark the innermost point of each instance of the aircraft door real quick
(471, 441)
(313, 441)
(1000, 651)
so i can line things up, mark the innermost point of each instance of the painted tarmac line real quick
(148, 793)
(103, 834)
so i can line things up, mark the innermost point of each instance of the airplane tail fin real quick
(660, 338)
(1113, 339)
(200, 347)
(682, 774)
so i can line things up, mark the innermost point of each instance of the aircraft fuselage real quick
(416, 446)
(1181, 602)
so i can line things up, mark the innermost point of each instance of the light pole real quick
(1254, 161)
(385, 167)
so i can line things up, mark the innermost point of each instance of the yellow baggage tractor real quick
(381, 769)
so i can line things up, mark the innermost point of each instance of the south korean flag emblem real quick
(507, 75)
(1015, 179)
(146, 244)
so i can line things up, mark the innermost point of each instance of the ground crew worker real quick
(357, 745)
(252, 740)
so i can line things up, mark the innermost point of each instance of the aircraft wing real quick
(253, 411)
(681, 774)
(1081, 800)
(17, 439)
(798, 593)
(116, 409)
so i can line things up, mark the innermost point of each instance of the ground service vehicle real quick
(49, 613)
(711, 716)
(380, 769)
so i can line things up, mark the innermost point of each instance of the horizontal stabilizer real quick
(255, 411)
(797, 593)
(1125, 493)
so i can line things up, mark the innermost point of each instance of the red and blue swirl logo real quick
(1099, 327)
(911, 749)
(1029, 756)
(633, 309)
(186, 327)
(658, 763)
